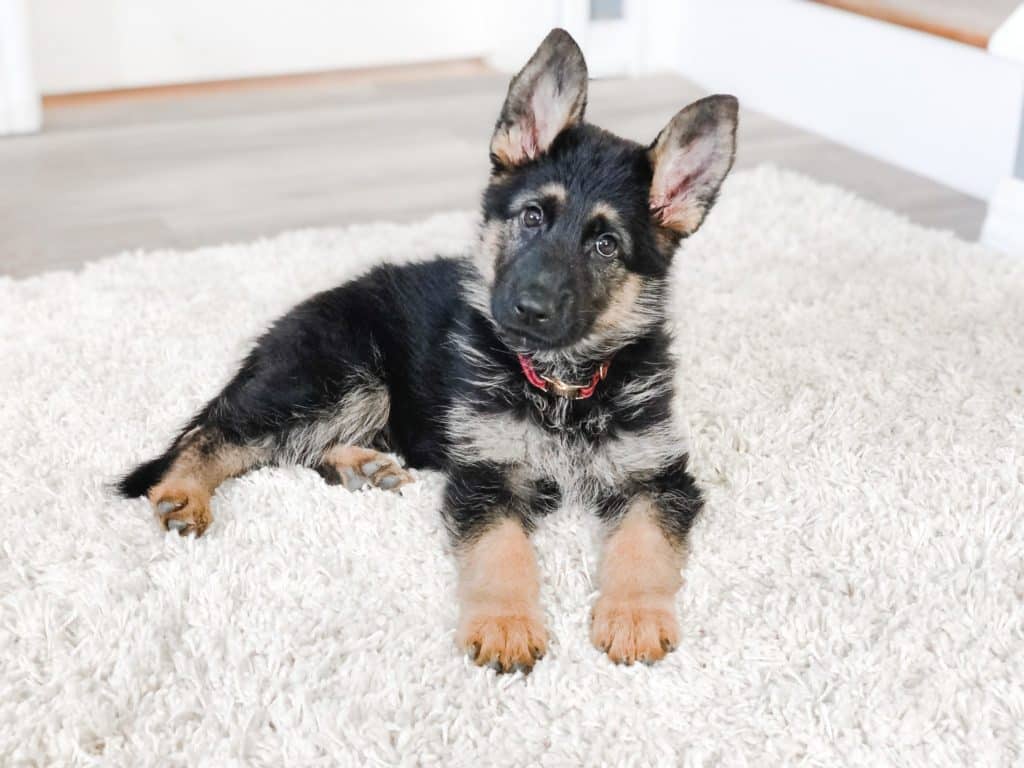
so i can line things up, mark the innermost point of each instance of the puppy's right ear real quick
(545, 98)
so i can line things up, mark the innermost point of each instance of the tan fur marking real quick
(350, 456)
(550, 191)
(622, 305)
(491, 236)
(607, 212)
(500, 621)
(666, 240)
(512, 146)
(635, 616)
(182, 498)
(554, 190)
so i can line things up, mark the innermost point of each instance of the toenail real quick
(353, 482)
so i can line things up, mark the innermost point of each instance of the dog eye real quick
(533, 216)
(607, 245)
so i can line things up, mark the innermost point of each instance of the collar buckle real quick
(559, 387)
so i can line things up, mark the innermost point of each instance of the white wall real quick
(107, 44)
(647, 40)
(104, 44)
(517, 28)
(941, 109)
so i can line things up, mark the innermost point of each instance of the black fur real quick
(145, 476)
(428, 340)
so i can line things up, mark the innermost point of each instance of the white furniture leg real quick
(1004, 222)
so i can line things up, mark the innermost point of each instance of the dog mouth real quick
(561, 336)
(525, 342)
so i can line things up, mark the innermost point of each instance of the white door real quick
(625, 37)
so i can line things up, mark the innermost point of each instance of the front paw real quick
(507, 640)
(631, 630)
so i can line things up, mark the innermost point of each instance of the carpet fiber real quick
(854, 593)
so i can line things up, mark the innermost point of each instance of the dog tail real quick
(146, 475)
(150, 473)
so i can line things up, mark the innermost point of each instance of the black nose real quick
(533, 309)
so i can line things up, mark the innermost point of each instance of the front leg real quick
(501, 623)
(634, 618)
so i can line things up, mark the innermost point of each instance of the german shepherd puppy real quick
(534, 372)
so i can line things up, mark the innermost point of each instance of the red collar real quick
(559, 387)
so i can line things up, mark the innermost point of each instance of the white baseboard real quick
(19, 99)
(1008, 40)
(1004, 223)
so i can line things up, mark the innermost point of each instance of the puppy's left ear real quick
(691, 158)
(547, 96)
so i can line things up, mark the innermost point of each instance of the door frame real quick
(20, 110)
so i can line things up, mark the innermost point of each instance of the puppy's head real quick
(579, 225)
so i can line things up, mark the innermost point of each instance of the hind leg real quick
(181, 499)
(356, 467)
(257, 420)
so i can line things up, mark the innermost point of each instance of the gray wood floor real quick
(208, 167)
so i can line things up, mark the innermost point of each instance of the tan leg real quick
(182, 497)
(356, 467)
(634, 618)
(500, 622)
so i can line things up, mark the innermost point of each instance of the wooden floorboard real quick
(208, 167)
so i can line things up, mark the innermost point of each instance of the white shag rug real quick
(854, 594)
